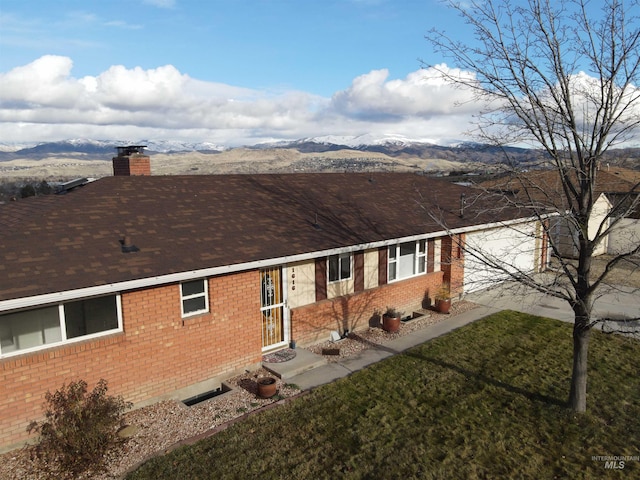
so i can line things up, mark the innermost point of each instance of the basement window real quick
(194, 298)
(31, 330)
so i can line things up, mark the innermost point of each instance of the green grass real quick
(486, 401)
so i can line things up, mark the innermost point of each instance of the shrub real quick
(78, 430)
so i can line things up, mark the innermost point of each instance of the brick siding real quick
(131, 166)
(452, 262)
(157, 353)
(358, 311)
(313, 323)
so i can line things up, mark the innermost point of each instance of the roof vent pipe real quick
(127, 245)
(463, 202)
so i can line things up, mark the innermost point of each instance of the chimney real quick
(131, 160)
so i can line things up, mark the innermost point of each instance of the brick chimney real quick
(131, 160)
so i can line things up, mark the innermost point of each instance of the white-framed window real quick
(193, 297)
(407, 259)
(35, 329)
(339, 267)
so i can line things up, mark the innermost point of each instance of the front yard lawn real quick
(486, 401)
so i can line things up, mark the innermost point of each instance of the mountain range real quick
(390, 145)
(355, 148)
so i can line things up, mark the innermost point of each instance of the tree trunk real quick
(582, 317)
(578, 393)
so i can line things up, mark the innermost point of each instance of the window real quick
(422, 256)
(43, 327)
(87, 317)
(194, 297)
(407, 259)
(339, 267)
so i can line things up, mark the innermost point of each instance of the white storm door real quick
(275, 321)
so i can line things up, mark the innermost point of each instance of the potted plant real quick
(391, 320)
(266, 387)
(443, 298)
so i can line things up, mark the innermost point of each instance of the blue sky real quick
(317, 46)
(229, 72)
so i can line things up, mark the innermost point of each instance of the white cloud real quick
(422, 93)
(81, 18)
(160, 3)
(123, 25)
(43, 101)
(42, 83)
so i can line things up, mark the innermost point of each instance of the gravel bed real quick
(159, 427)
(358, 341)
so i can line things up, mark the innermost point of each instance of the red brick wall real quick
(156, 354)
(159, 352)
(133, 165)
(452, 262)
(313, 323)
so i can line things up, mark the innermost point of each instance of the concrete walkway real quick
(330, 372)
(309, 370)
(617, 303)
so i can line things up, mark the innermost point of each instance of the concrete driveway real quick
(619, 304)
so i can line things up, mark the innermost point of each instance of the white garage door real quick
(513, 247)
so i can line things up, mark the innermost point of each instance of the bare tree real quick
(562, 76)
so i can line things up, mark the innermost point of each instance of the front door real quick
(274, 319)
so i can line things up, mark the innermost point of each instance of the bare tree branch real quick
(563, 76)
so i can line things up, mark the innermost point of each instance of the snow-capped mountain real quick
(322, 143)
(107, 147)
(392, 145)
(13, 147)
(173, 146)
(359, 141)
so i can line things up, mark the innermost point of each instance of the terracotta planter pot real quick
(443, 306)
(266, 387)
(390, 324)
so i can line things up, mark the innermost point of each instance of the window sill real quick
(408, 278)
(197, 313)
(75, 342)
(195, 318)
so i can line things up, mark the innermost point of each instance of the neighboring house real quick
(616, 189)
(167, 285)
(625, 235)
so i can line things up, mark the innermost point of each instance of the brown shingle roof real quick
(625, 174)
(544, 187)
(185, 223)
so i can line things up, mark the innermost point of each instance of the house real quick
(625, 236)
(167, 285)
(616, 195)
